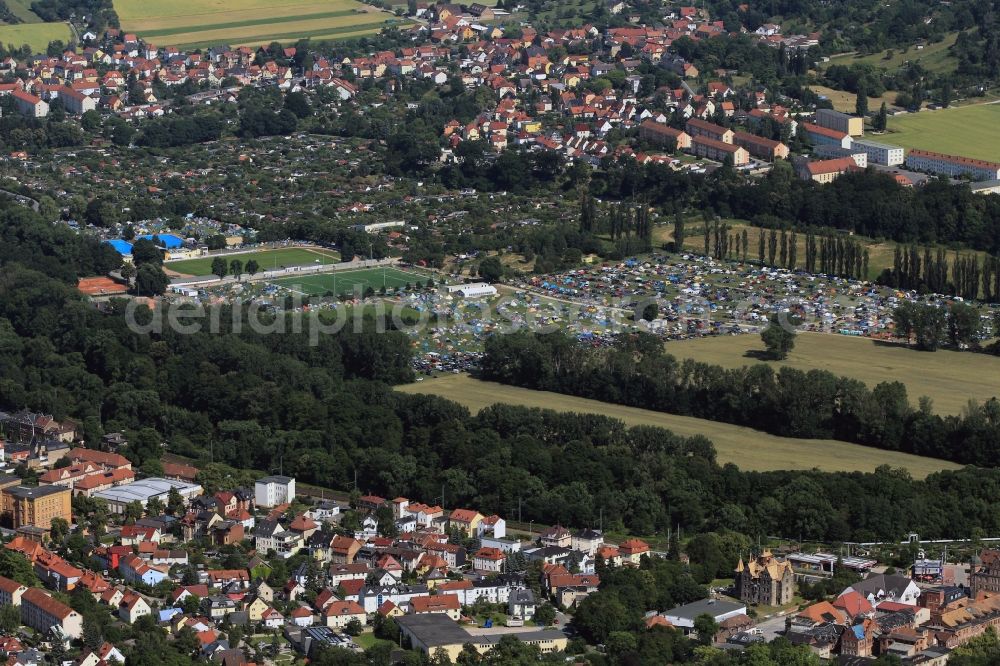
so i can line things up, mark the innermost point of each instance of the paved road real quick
(772, 627)
(22, 199)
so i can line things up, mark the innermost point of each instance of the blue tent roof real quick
(168, 241)
(122, 247)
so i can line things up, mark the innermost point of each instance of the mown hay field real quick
(189, 23)
(746, 448)
(949, 378)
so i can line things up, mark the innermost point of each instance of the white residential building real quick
(880, 153)
(952, 165)
(274, 490)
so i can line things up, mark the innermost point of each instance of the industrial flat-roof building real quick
(824, 563)
(683, 617)
(143, 491)
(986, 187)
(472, 290)
(434, 631)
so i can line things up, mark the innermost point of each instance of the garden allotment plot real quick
(211, 22)
(349, 282)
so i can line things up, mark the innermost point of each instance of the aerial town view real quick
(591, 332)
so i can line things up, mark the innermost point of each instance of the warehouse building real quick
(142, 491)
(434, 631)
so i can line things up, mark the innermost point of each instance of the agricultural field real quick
(748, 449)
(349, 282)
(190, 23)
(969, 131)
(268, 259)
(949, 378)
(37, 35)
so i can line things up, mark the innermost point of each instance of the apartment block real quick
(880, 153)
(42, 613)
(36, 506)
(661, 134)
(841, 122)
(758, 146)
(719, 151)
(952, 165)
(696, 127)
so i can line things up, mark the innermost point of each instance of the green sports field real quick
(267, 259)
(349, 282)
(969, 131)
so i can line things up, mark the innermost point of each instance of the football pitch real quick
(350, 282)
(267, 259)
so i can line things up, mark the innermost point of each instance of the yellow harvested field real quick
(748, 449)
(845, 101)
(949, 378)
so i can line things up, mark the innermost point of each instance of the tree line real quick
(928, 271)
(816, 404)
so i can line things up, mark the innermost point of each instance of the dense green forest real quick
(326, 412)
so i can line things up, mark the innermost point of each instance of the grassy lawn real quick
(349, 282)
(969, 131)
(37, 35)
(367, 640)
(747, 448)
(949, 378)
(933, 57)
(268, 259)
(191, 22)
